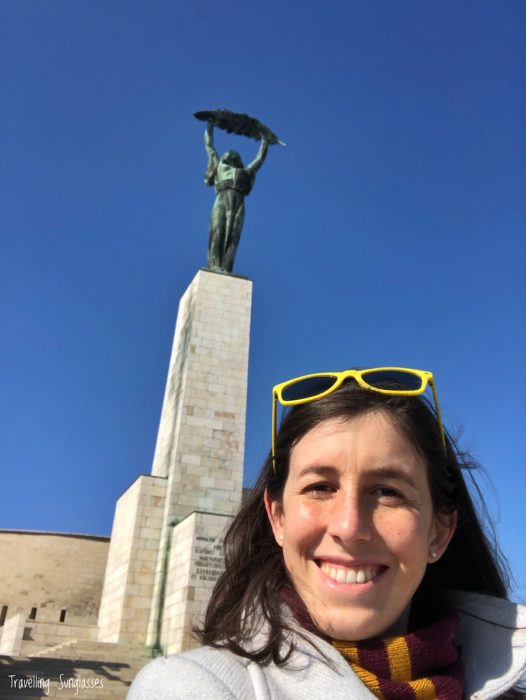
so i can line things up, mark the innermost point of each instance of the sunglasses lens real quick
(308, 388)
(393, 380)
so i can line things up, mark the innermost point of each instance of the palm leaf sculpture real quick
(240, 124)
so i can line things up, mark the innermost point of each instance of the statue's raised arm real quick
(213, 157)
(233, 181)
(260, 157)
(209, 141)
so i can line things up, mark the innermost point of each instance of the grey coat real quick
(491, 637)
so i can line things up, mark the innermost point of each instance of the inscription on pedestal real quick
(208, 563)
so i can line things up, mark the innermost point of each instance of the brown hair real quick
(248, 593)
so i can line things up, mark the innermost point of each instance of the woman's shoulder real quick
(500, 611)
(492, 637)
(206, 673)
(200, 673)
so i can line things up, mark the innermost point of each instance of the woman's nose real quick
(350, 519)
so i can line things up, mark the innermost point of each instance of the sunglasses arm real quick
(439, 415)
(274, 426)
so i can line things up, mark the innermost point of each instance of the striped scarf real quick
(422, 665)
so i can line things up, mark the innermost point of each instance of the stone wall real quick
(46, 570)
(47, 632)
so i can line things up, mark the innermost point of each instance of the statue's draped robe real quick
(228, 214)
(232, 182)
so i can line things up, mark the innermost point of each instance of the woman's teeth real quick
(345, 575)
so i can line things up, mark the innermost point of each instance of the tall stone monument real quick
(200, 447)
(166, 546)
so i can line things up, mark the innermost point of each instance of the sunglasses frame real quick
(426, 378)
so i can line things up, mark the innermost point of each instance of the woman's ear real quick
(275, 516)
(443, 530)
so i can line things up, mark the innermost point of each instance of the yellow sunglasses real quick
(393, 381)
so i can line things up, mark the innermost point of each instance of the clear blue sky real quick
(389, 231)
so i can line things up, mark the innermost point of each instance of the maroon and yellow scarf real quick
(422, 665)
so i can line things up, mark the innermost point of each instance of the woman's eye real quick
(388, 494)
(319, 489)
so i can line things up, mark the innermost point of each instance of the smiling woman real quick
(358, 567)
(357, 525)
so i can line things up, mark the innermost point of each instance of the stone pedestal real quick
(194, 565)
(166, 545)
(12, 636)
(127, 593)
(200, 444)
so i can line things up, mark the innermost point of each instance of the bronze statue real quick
(233, 181)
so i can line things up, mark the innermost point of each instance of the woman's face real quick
(357, 526)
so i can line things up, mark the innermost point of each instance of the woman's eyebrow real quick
(392, 473)
(318, 470)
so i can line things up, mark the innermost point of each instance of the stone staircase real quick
(75, 670)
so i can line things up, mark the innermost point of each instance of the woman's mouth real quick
(348, 574)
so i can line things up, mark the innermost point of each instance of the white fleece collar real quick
(492, 641)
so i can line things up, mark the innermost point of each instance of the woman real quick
(358, 567)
